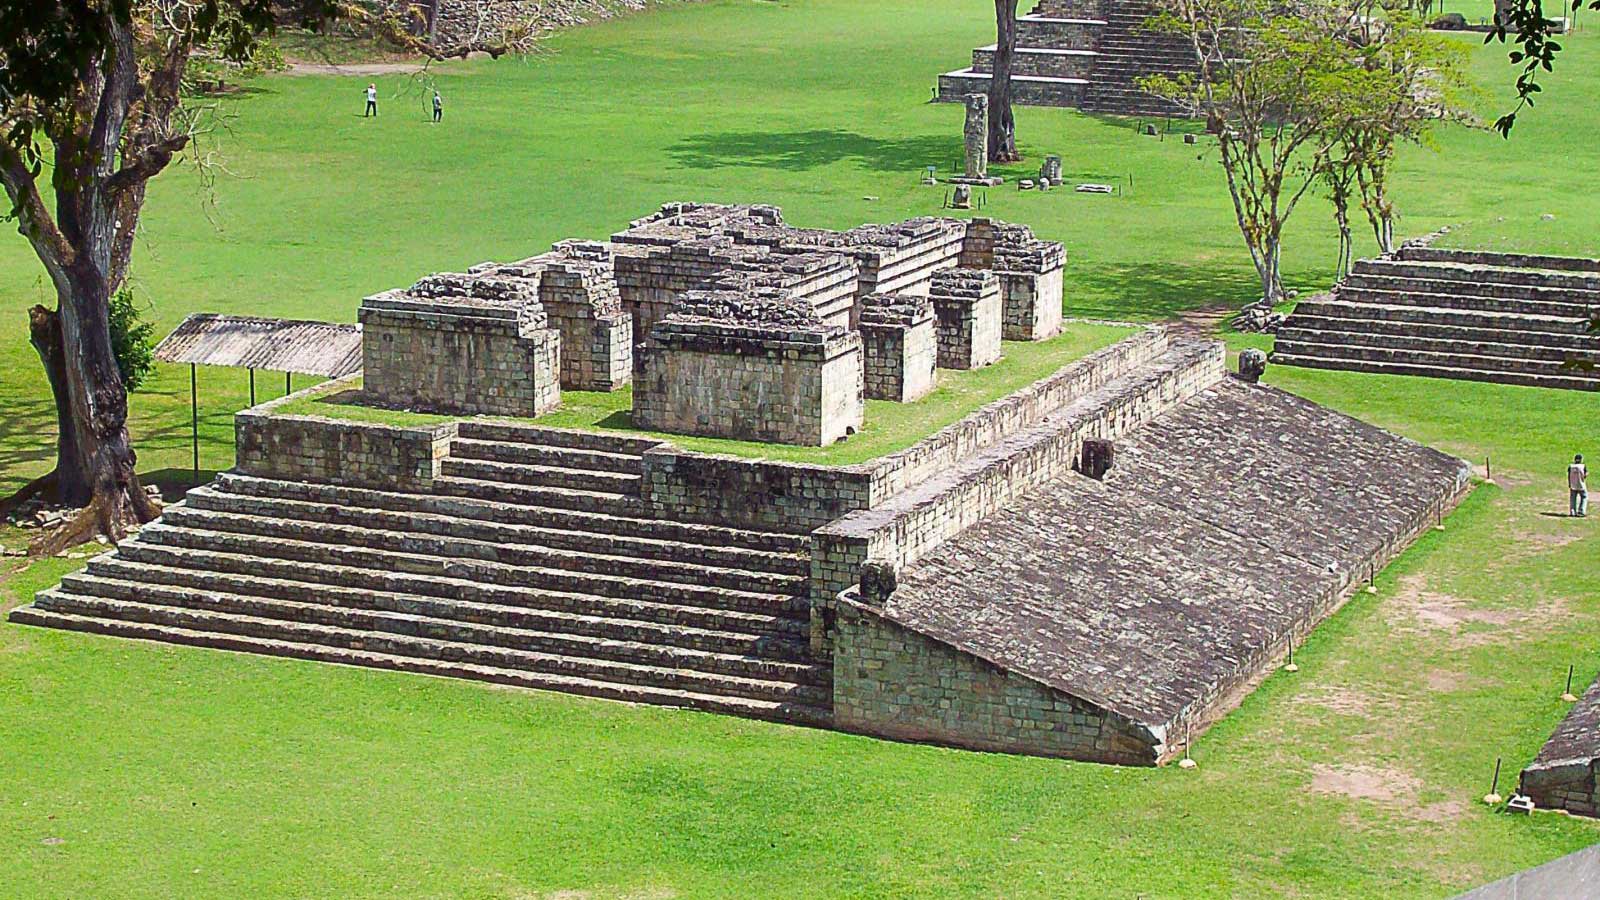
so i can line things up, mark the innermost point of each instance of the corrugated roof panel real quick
(251, 342)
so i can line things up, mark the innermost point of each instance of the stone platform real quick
(1113, 620)
(1509, 318)
(1564, 774)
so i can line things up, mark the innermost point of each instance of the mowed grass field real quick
(154, 771)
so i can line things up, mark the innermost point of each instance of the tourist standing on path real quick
(1578, 487)
(438, 107)
(372, 101)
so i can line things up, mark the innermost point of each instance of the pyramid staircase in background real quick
(1455, 314)
(1085, 54)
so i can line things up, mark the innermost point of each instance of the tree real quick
(1524, 23)
(1002, 125)
(91, 109)
(1265, 73)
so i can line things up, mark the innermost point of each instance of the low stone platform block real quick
(969, 308)
(461, 344)
(1565, 773)
(709, 377)
(901, 343)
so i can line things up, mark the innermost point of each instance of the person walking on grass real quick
(1578, 487)
(438, 107)
(372, 101)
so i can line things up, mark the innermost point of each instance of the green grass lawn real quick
(889, 426)
(152, 771)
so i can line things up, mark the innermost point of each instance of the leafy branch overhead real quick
(1523, 22)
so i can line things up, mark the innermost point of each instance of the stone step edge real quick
(244, 485)
(1438, 311)
(230, 562)
(632, 479)
(449, 548)
(1510, 361)
(763, 621)
(970, 74)
(783, 711)
(331, 633)
(1290, 334)
(1427, 371)
(611, 649)
(471, 445)
(512, 533)
(614, 582)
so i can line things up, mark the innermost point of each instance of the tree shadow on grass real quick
(796, 151)
(27, 441)
(1155, 290)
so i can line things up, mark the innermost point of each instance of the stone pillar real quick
(901, 347)
(1096, 458)
(1051, 170)
(968, 305)
(977, 136)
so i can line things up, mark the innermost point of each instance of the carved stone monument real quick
(976, 137)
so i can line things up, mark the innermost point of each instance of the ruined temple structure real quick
(1097, 566)
(1084, 54)
(727, 321)
(1510, 318)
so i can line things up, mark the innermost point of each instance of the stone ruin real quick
(727, 321)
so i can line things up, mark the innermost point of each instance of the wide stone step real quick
(1339, 309)
(285, 579)
(625, 505)
(441, 620)
(515, 514)
(1304, 323)
(542, 476)
(517, 433)
(589, 542)
(1478, 273)
(1418, 253)
(433, 647)
(328, 556)
(1346, 333)
(1310, 357)
(180, 516)
(547, 455)
(815, 713)
(1548, 372)
(1560, 301)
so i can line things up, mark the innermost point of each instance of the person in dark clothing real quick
(438, 107)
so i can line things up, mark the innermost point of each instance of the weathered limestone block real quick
(461, 344)
(975, 134)
(901, 344)
(1252, 364)
(750, 368)
(969, 307)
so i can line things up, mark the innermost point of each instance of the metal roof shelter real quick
(325, 349)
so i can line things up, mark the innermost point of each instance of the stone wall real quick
(316, 449)
(1567, 769)
(750, 493)
(705, 376)
(437, 347)
(900, 530)
(968, 305)
(892, 682)
(901, 345)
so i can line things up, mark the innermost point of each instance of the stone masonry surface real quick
(1564, 774)
(1138, 596)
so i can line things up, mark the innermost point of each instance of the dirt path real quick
(353, 69)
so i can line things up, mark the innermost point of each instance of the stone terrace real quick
(1455, 314)
(1110, 620)
(1564, 774)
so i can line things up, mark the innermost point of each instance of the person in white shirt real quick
(1578, 487)
(372, 101)
(438, 107)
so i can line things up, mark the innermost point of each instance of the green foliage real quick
(132, 340)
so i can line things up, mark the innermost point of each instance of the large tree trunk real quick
(1002, 126)
(95, 461)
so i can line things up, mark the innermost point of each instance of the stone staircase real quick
(532, 563)
(1454, 314)
(1086, 54)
